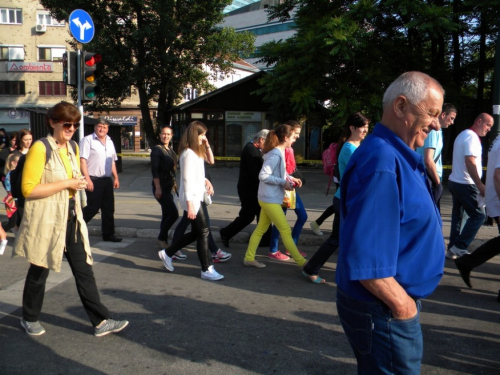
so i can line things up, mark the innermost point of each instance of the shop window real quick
(50, 88)
(197, 116)
(11, 16)
(12, 88)
(50, 53)
(11, 53)
(234, 140)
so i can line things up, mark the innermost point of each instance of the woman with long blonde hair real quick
(193, 184)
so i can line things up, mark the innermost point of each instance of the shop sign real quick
(122, 119)
(244, 116)
(30, 67)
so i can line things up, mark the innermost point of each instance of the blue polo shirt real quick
(390, 226)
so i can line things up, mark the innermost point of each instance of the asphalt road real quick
(255, 321)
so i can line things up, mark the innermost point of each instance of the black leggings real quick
(199, 232)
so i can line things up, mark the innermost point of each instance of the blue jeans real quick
(301, 213)
(381, 344)
(464, 198)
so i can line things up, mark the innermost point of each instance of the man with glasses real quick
(97, 159)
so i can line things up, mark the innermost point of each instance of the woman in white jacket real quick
(193, 151)
(273, 182)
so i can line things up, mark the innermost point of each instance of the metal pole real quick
(496, 91)
(79, 77)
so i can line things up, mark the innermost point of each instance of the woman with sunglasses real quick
(53, 224)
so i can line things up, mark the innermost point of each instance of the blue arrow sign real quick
(81, 26)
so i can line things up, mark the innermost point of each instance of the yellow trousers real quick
(272, 212)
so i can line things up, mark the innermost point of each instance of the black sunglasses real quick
(67, 125)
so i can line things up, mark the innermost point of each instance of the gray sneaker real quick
(110, 326)
(32, 328)
(458, 252)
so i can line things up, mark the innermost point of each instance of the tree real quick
(159, 47)
(346, 52)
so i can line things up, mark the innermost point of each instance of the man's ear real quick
(400, 106)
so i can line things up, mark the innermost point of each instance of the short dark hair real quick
(449, 108)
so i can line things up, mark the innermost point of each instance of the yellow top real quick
(35, 164)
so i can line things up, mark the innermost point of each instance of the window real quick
(9, 15)
(49, 88)
(12, 88)
(11, 53)
(43, 17)
(46, 53)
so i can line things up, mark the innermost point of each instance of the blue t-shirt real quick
(434, 140)
(390, 226)
(344, 156)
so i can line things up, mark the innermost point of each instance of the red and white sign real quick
(30, 67)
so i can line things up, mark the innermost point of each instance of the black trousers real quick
(250, 210)
(482, 254)
(101, 198)
(169, 213)
(328, 247)
(34, 287)
(199, 233)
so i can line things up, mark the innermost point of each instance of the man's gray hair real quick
(102, 121)
(412, 85)
(261, 134)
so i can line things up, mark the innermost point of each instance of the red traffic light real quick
(92, 59)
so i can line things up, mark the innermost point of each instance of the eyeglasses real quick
(67, 125)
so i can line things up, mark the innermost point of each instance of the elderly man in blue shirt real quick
(391, 243)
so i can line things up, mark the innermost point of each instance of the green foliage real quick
(157, 46)
(346, 52)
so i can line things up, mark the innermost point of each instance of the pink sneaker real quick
(278, 256)
(300, 252)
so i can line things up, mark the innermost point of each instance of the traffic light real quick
(90, 73)
(69, 68)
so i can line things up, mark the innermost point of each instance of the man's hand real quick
(116, 183)
(90, 184)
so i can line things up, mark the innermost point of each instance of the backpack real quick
(329, 157)
(330, 164)
(16, 176)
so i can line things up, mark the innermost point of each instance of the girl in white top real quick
(193, 184)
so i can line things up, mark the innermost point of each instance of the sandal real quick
(317, 280)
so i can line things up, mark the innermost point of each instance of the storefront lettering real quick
(30, 67)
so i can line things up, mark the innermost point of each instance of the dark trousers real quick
(199, 232)
(328, 247)
(181, 228)
(250, 210)
(34, 287)
(101, 198)
(482, 254)
(325, 215)
(169, 212)
(437, 192)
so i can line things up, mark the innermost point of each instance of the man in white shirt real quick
(433, 149)
(97, 161)
(466, 186)
(490, 248)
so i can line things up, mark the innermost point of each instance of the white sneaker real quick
(211, 274)
(315, 228)
(167, 261)
(458, 252)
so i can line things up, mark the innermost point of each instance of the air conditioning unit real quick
(41, 28)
